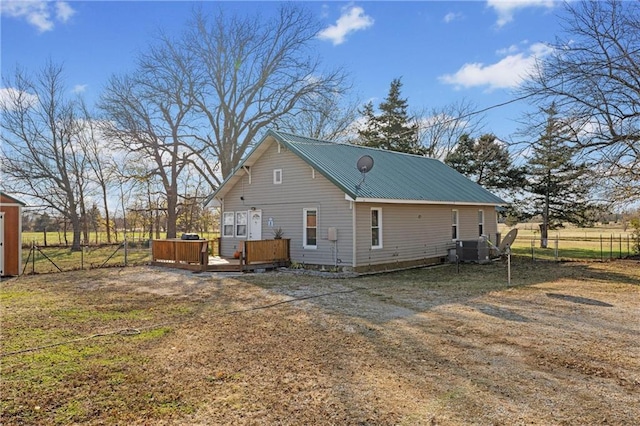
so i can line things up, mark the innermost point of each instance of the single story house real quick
(407, 210)
(10, 235)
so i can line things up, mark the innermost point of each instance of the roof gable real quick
(395, 177)
(8, 199)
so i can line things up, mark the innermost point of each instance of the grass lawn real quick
(49, 259)
(144, 345)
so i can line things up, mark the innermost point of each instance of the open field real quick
(144, 345)
(602, 242)
(55, 238)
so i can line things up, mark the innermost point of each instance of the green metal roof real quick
(394, 177)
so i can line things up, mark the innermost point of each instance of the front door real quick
(255, 224)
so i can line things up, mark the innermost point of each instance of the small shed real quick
(10, 235)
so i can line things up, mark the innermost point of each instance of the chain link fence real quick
(601, 248)
(37, 259)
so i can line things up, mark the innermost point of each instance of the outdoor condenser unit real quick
(473, 250)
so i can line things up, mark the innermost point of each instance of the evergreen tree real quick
(487, 162)
(392, 129)
(557, 183)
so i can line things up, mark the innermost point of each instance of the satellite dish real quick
(364, 164)
(508, 240)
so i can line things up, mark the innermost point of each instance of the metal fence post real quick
(610, 246)
(533, 243)
(601, 253)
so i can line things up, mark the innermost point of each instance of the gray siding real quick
(414, 232)
(284, 204)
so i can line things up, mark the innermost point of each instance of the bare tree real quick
(593, 77)
(150, 112)
(440, 128)
(253, 71)
(328, 117)
(41, 157)
(99, 159)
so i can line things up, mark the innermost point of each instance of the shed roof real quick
(12, 199)
(395, 177)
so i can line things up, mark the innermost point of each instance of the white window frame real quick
(225, 215)
(455, 224)
(379, 227)
(238, 224)
(277, 176)
(480, 222)
(305, 211)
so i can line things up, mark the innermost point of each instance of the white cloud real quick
(452, 16)
(509, 72)
(38, 13)
(64, 12)
(79, 88)
(10, 98)
(507, 50)
(352, 19)
(506, 8)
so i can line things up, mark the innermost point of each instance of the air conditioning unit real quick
(473, 250)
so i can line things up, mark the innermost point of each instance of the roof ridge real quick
(325, 142)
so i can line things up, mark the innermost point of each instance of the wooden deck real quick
(194, 255)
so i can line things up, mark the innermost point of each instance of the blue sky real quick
(445, 51)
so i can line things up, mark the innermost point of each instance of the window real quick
(480, 222)
(376, 228)
(310, 228)
(277, 176)
(227, 224)
(241, 224)
(454, 224)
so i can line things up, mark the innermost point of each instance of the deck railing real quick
(194, 254)
(185, 252)
(266, 251)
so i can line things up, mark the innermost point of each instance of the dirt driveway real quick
(431, 346)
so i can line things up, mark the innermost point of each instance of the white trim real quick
(246, 224)
(20, 241)
(277, 176)
(354, 252)
(400, 201)
(3, 246)
(233, 225)
(457, 224)
(247, 170)
(379, 210)
(304, 228)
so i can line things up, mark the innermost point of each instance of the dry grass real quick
(425, 346)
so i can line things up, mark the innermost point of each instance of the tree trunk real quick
(64, 230)
(76, 226)
(544, 227)
(172, 203)
(106, 212)
(44, 232)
